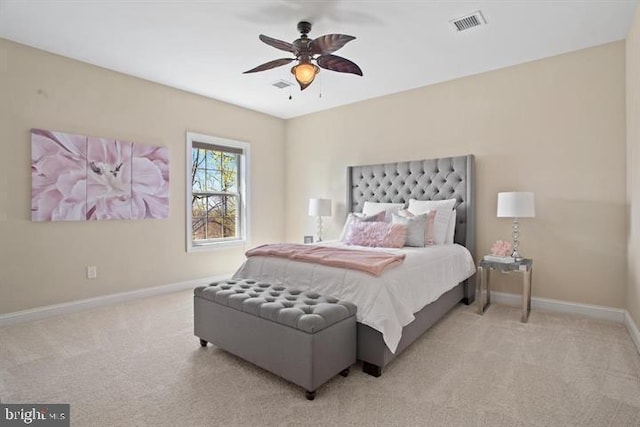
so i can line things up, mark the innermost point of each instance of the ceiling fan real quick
(307, 50)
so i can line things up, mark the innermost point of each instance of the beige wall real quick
(554, 126)
(633, 166)
(44, 263)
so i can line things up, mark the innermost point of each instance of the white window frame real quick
(243, 189)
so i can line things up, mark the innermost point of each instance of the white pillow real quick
(427, 205)
(372, 208)
(444, 209)
(451, 228)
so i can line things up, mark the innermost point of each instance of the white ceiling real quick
(204, 46)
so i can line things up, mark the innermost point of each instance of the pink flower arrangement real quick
(501, 248)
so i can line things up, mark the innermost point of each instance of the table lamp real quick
(319, 208)
(516, 204)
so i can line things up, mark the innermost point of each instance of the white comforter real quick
(385, 303)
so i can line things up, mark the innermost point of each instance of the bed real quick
(383, 334)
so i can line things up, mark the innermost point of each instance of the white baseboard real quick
(86, 304)
(617, 315)
(595, 311)
(633, 330)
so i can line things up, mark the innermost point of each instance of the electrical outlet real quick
(92, 272)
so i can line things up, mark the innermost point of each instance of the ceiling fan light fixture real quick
(304, 50)
(305, 72)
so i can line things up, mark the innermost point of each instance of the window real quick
(216, 192)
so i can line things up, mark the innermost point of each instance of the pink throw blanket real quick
(373, 262)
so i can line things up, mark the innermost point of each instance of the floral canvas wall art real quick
(150, 182)
(108, 179)
(76, 178)
(58, 176)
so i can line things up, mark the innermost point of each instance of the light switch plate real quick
(92, 272)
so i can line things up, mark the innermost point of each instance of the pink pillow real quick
(358, 217)
(376, 234)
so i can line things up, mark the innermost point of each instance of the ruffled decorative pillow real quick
(376, 234)
(358, 217)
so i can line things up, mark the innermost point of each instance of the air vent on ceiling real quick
(469, 21)
(281, 84)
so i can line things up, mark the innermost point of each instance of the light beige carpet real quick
(138, 364)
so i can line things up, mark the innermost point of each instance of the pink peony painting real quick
(76, 178)
(150, 182)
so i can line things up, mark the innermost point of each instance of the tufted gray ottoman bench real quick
(304, 337)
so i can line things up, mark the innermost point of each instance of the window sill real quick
(205, 247)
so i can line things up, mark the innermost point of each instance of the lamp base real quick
(515, 234)
(319, 228)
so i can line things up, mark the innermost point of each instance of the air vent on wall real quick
(281, 84)
(469, 21)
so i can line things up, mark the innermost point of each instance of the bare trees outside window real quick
(216, 190)
(214, 178)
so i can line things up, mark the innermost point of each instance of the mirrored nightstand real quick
(483, 287)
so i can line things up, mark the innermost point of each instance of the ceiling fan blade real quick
(269, 65)
(329, 43)
(278, 44)
(339, 64)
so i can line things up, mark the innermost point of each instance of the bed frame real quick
(433, 179)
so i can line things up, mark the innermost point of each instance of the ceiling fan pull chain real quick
(290, 84)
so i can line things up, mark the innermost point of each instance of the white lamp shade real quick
(516, 204)
(319, 207)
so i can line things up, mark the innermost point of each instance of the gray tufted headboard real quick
(433, 179)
